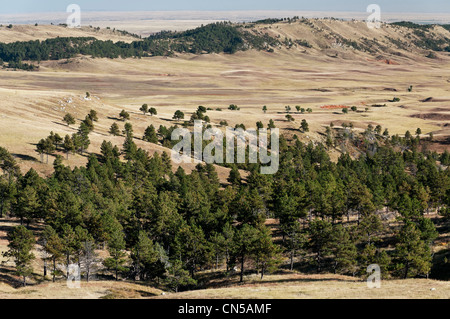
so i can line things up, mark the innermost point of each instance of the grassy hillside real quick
(343, 171)
(324, 35)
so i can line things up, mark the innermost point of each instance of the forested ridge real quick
(220, 37)
(164, 227)
(212, 38)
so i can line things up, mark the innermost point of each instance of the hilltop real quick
(21, 33)
(330, 37)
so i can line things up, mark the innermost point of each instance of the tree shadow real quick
(64, 125)
(307, 280)
(169, 120)
(8, 277)
(114, 119)
(8, 228)
(146, 294)
(25, 157)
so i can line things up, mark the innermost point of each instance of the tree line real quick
(212, 38)
(164, 225)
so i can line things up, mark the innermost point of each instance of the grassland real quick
(33, 103)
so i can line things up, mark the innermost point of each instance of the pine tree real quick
(87, 126)
(412, 254)
(116, 249)
(370, 255)
(83, 136)
(343, 250)
(93, 115)
(304, 126)
(90, 257)
(267, 254)
(235, 177)
(114, 130)
(320, 241)
(69, 119)
(150, 135)
(68, 146)
(368, 227)
(166, 163)
(244, 245)
(177, 277)
(26, 205)
(55, 138)
(144, 109)
(296, 240)
(178, 115)
(129, 148)
(217, 241)
(124, 115)
(21, 243)
(46, 146)
(68, 238)
(193, 248)
(153, 111)
(143, 256)
(128, 130)
(53, 247)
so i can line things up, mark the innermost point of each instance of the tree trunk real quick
(406, 271)
(242, 269)
(1, 205)
(292, 260)
(68, 262)
(54, 269)
(227, 260)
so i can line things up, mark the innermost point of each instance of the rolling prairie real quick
(327, 72)
(34, 103)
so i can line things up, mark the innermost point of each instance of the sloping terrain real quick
(43, 32)
(325, 72)
(392, 76)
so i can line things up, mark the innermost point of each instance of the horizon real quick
(102, 18)
(54, 6)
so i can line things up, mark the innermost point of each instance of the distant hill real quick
(327, 35)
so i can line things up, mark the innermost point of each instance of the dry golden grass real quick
(298, 286)
(91, 290)
(286, 286)
(43, 32)
(33, 103)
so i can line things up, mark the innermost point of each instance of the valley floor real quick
(285, 286)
